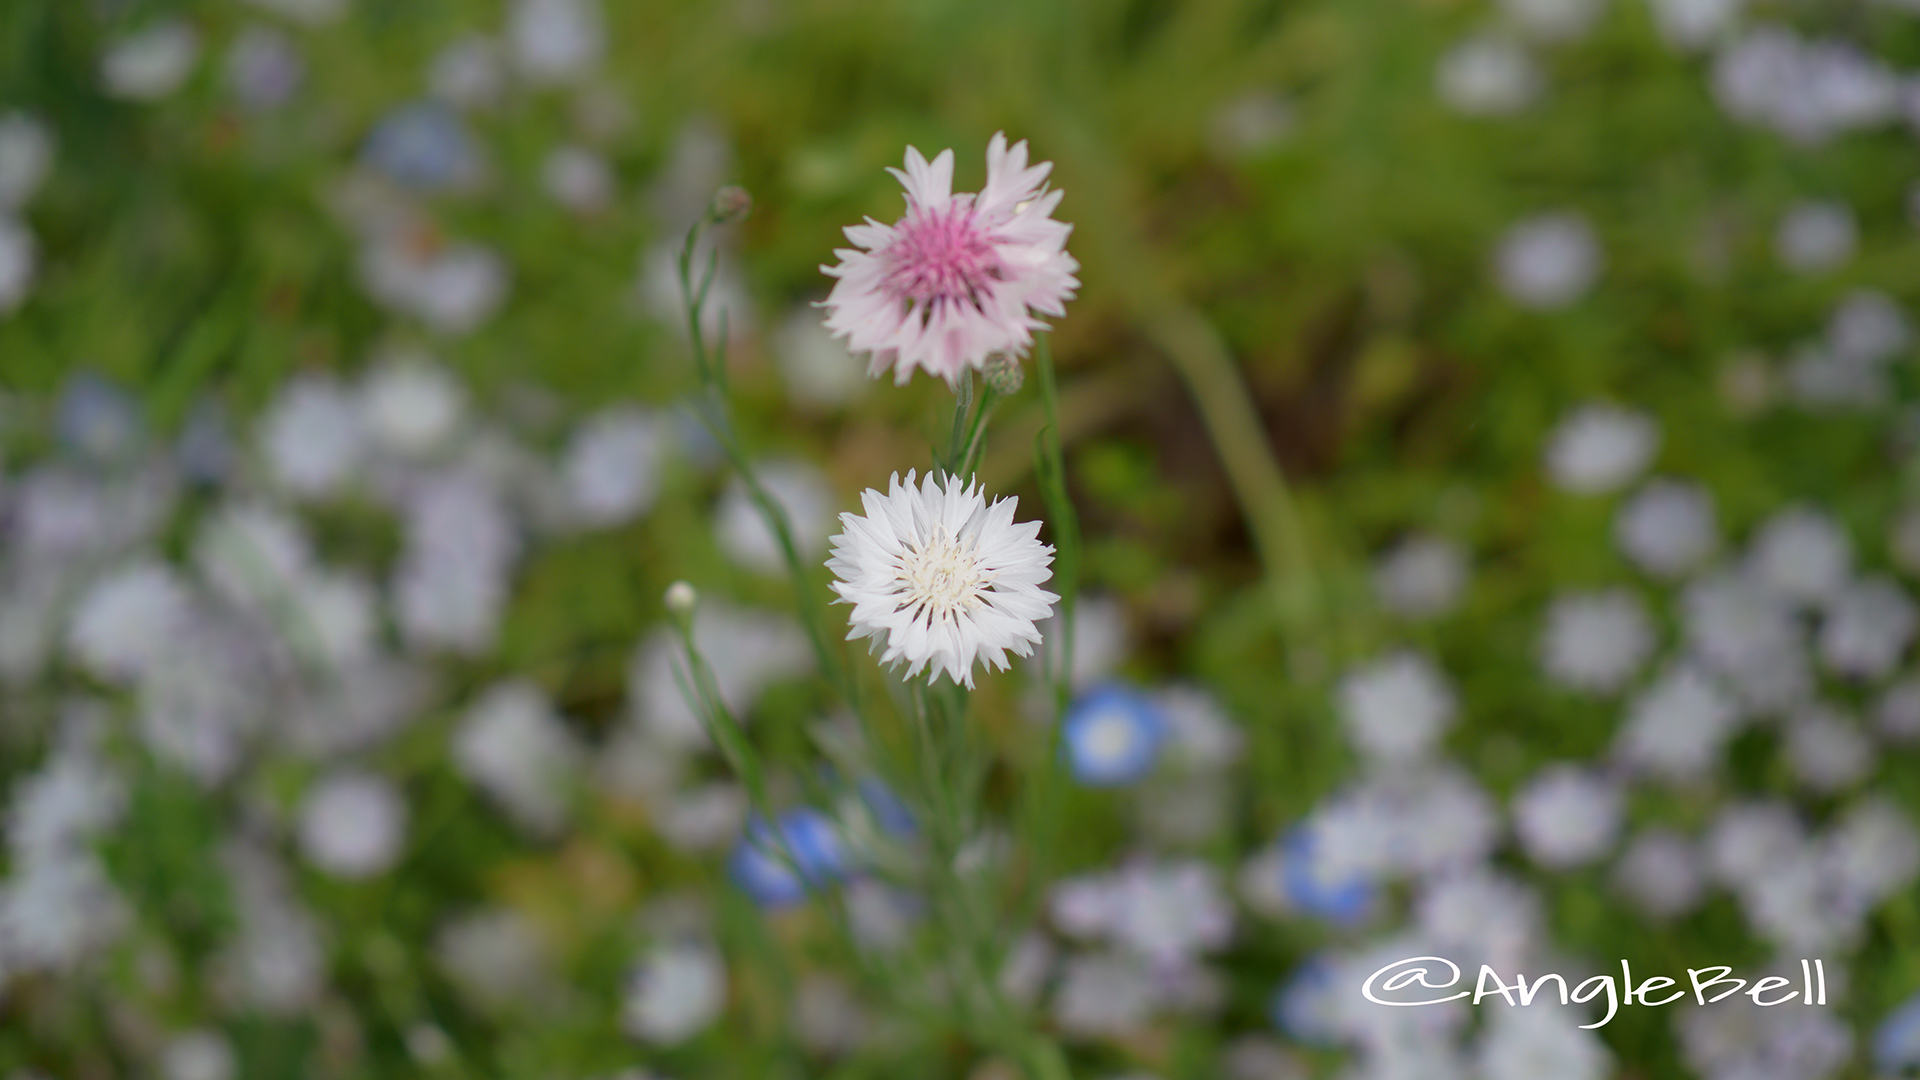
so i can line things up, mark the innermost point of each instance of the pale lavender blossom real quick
(1667, 528)
(1596, 641)
(1421, 577)
(1489, 75)
(1396, 708)
(1599, 448)
(1660, 872)
(1567, 815)
(1549, 261)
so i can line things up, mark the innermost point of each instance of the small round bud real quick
(730, 204)
(681, 599)
(1003, 373)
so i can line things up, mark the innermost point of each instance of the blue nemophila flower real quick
(1113, 736)
(424, 146)
(1896, 1045)
(1311, 888)
(806, 837)
(1306, 1007)
(96, 419)
(888, 811)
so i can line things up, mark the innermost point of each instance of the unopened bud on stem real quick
(730, 204)
(1003, 373)
(681, 600)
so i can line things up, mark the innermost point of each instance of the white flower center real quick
(1109, 738)
(942, 576)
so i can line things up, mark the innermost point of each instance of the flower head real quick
(943, 577)
(960, 276)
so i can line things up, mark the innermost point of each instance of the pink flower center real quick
(941, 255)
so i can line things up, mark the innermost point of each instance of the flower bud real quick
(681, 599)
(1003, 373)
(730, 204)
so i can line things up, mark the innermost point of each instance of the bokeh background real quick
(346, 462)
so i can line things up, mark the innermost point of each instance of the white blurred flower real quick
(660, 288)
(353, 824)
(613, 465)
(555, 41)
(1897, 711)
(1667, 528)
(1802, 555)
(1747, 634)
(1678, 726)
(704, 818)
(1536, 1041)
(1660, 871)
(1200, 734)
(150, 63)
(26, 157)
(827, 1017)
(277, 963)
(1694, 24)
(1826, 750)
(56, 811)
(1169, 913)
(452, 288)
(56, 912)
(312, 437)
(747, 650)
(578, 179)
(201, 1054)
(263, 67)
(1103, 994)
(1816, 235)
(1445, 822)
(1100, 641)
(1396, 708)
(311, 12)
(1596, 641)
(1251, 124)
(121, 626)
(1422, 577)
(798, 488)
(514, 748)
(1489, 75)
(410, 404)
(1554, 20)
(19, 259)
(1874, 849)
(1869, 327)
(1567, 815)
(1808, 91)
(450, 586)
(495, 957)
(1867, 628)
(675, 992)
(468, 72)
(819, 371)
(1482, 916)
(1739, 1038)
(1549, 261)
(1600, 448)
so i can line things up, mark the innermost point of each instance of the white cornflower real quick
(1421, 578)
(1548, 261)
(353, 824)
(1596, 641)
(1489, 75)
(1667, 528)
(1599, 448)
(1567, 816)
(941, 578)
(1396, 707)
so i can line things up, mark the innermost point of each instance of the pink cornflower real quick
(960, 277)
